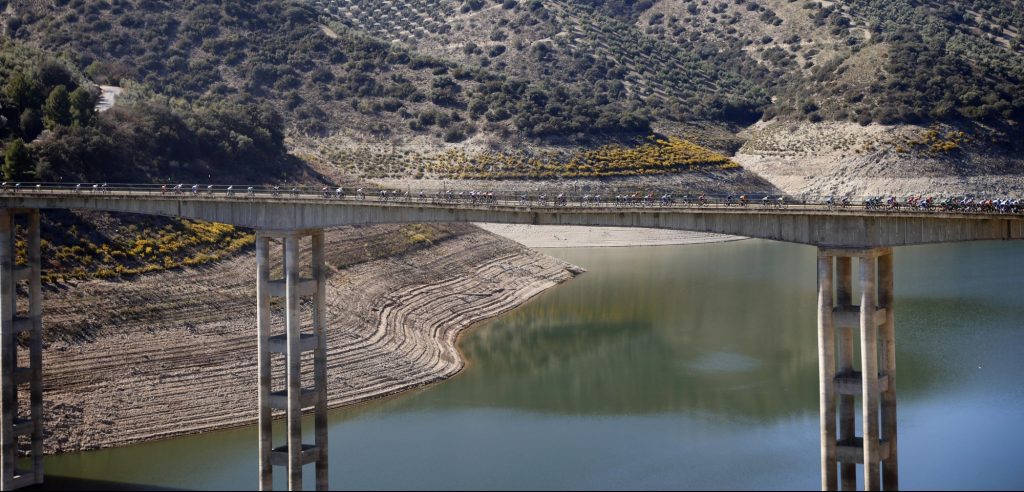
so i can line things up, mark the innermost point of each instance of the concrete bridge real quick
(840, 235)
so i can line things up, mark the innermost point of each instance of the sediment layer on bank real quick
(175, 353)
(554, 236)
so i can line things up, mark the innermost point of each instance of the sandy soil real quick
(548, 236)
(175, 353)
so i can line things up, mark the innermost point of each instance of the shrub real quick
(18, 162)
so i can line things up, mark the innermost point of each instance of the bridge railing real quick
(646, 197)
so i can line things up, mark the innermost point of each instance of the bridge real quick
(839, 234)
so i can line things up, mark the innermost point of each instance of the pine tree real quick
(17, 161)
(57, 110)
(23, 91)
(82, 107)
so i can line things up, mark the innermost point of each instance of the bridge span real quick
(839, 234)
(811, 224)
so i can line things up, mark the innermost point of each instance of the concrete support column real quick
(887, 342)
(847, 411)
(826, 373)
(293, 361)
(13, 424)
(873, 317)
(8, 353)
(35, 313)
(869, 372)
(320, 359)
(292, 343)
(263, 327)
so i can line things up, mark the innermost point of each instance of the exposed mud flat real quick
(553, 236)
(175, 353)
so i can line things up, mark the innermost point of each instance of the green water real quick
(667, 368)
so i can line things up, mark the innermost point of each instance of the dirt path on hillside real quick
(175, 353)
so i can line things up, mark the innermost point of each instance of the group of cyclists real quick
(472, 197)
(965, 204)
(948, 204)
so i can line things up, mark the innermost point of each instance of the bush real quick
(31, 124)
(18, 163)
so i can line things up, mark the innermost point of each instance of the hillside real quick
(862, 60)
(372, 89)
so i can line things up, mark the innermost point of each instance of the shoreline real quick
(394, 326)
(555, 236)
(396, 321)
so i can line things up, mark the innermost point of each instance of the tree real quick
(23, 91)
(31, 124)
(57, 110)
(82, 106)
(52, 74)
(17, 161)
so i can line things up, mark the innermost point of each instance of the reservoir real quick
(671, 367)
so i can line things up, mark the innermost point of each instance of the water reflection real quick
(716, 332)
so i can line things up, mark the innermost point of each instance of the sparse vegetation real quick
(650, 156)
(935, 141)
(74, 249)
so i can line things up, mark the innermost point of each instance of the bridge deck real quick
(813, 224)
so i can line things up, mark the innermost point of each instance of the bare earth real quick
(822, 159)
(175, 353)
(550, 236)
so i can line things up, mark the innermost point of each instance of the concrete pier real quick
(15, 425)
(840, 382)
(826, 373)
(847, 411)
(291, 344)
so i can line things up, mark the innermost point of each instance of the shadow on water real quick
(70, 483)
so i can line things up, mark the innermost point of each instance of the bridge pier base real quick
(289, 347)
(16, 427)
(840, 382)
